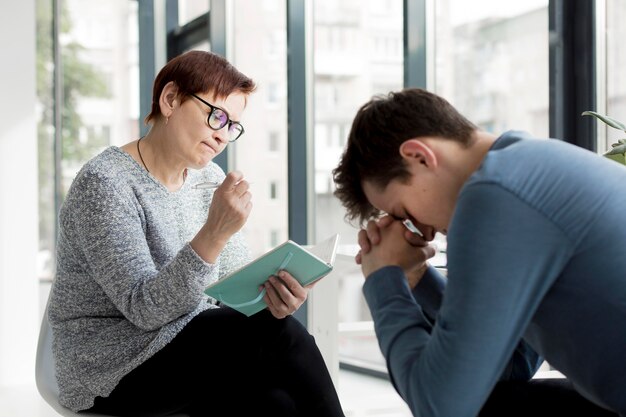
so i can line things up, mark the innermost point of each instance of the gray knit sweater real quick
(127, 280)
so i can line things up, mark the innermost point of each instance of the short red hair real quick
(199, 72)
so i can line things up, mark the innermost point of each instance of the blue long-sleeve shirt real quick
(535, 251)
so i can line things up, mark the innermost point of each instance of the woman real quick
(133, 332)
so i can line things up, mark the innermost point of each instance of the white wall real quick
(19, 304)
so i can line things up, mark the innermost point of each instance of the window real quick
(275, 236)
(273, 139)
(188, 10)
(266, 114)
(615, 64)
(275, 43)
(348, 72)
(273, 95)
(100, 74)
(491, 66)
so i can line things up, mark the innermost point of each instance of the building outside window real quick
(265, 117)
(357, 45)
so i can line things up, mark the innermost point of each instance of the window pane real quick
(99, 63)
(358, 54)
(190, 9)
(45, 133)
(259, 51)
(616, 62)
(492, 62)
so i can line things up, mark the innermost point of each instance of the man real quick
(536, 234)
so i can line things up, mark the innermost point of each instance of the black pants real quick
(226, 364)
(539, 398)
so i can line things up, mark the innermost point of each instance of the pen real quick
(209, 185)
(206, 185)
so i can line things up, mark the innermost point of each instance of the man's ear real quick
(414, 150)
(169, 99)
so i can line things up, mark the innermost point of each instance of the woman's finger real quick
(231, 180)
(273, 300)
(292, 286)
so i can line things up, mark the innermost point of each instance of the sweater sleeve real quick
(235, 254)
(110, 235)
(503, 256)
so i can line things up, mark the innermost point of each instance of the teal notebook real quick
(240, 289)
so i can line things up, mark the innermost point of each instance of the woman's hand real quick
(284, 294)
(230, 208)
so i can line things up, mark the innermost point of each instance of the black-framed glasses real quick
(218, 118)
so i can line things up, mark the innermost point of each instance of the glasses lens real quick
(217, 119)
(234, 131)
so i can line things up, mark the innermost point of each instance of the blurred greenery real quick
(79, 79)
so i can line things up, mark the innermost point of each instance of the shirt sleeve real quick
(109, 233)
(503, 256)
(429, 293)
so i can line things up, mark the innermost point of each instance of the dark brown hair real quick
(199, 72)
(379, 128)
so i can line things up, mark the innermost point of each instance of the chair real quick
(44, 374)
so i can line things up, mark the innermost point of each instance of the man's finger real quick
(428, 251)
(414, 239)
(385, 221)
(373, 232)
(363, 241)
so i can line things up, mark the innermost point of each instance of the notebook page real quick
(326, 249)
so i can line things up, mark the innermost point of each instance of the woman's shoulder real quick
(111, 167)
(111, 161)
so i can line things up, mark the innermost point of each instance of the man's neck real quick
(462, 161)
(482, 142)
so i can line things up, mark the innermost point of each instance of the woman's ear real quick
(169, 99)
(416, 151)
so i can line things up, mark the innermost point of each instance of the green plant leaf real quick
(617, 158)
(618, 149)
(606, 119)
